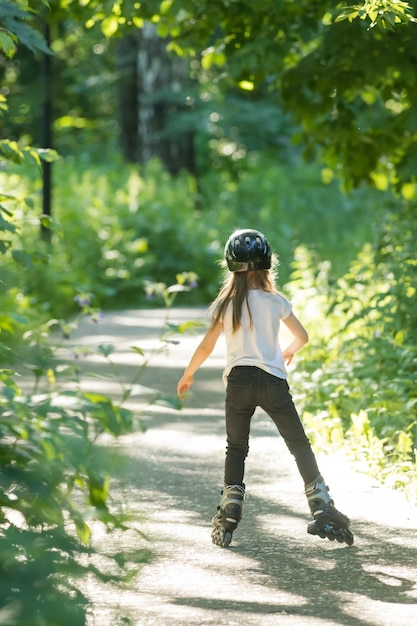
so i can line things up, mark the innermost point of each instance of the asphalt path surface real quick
(168, 479)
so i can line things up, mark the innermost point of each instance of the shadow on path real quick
(169, 478)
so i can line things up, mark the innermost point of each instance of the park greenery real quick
(304, 126)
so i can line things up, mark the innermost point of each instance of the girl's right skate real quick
(229, 514)
(328, 522)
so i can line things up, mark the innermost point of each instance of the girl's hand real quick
(202, 352)
(300, 337)
(183, 386)
(288, 356)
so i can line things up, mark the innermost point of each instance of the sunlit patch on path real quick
(168, 481)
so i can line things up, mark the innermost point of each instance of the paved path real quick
(169, 478)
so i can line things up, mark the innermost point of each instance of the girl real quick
(248, 309)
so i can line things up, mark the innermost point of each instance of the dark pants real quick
(247, 388)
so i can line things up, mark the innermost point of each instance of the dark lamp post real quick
(46, 132)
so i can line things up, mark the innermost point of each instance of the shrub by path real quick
(169, 479)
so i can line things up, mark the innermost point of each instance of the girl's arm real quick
(300, 337)
(202, 352)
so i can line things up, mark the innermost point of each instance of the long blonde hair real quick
(235, 289)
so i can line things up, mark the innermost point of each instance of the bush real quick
(54, 482)
(114, 227)
(357, 383)
(124, 234)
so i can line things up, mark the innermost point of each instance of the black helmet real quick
(247, 250)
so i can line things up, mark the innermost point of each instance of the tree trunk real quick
(152, 95)
(46, 139)
(128, 100)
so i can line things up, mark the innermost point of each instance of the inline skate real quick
(327, 522)
(229, 514)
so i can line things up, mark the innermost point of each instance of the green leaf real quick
(347, 15)
(106, 349)
(22, 258)
(98, 490)
(47, 154)
(7, 43)
(17, 24)
(49, 449)
(6, 225)
(3, 198)
(11, 150)
(246, 85)
(83, 530)
(94, 398)
(46, 221)
(185, 326)
(171, 401)
(110, 26)
(7, 378)
(211, 56)
(137, 350)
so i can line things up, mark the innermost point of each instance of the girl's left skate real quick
(229, 514)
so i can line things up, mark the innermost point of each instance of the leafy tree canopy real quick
(346, 74)
(16, 25)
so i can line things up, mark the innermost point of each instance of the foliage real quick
(82, 79)
(387, 14)
(16, 25)
(323, 63)
(124, 227)
(325, 67)
(11, 151)
(55, 480)
(113, 234)
(55, 477)
(357, 381)
(49, 466)
(354, 109)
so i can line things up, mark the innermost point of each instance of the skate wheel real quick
(343, 535)
(221, 537)
(349, 537)
(328, 530)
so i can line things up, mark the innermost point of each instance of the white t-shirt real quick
(257, 345)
